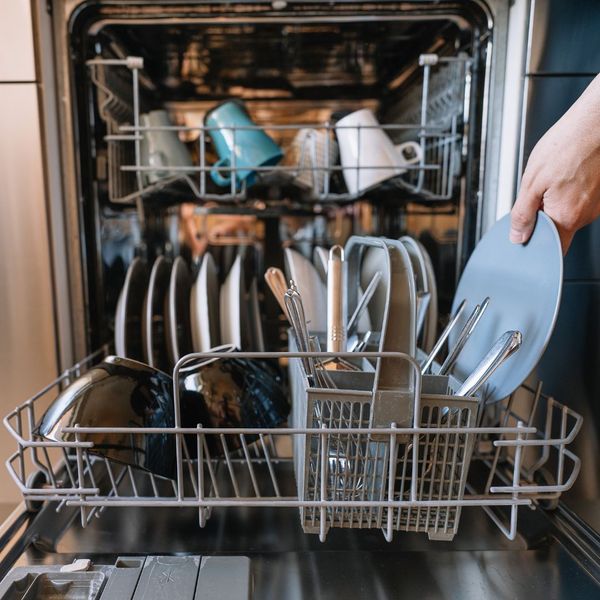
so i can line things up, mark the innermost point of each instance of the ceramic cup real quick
(251, 147)
(161, 148)
(367, 154)
(311, 153)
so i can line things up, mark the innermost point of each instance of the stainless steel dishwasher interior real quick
(295, 63)
(291, 66)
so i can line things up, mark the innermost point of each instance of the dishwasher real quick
(476, 512)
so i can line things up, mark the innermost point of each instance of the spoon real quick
(506, 345)
(276, 281)
(442, 339)
(463, 337)
(295, 312)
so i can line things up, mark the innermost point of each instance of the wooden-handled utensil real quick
(336, 314)
(276, 281)
(336, 319)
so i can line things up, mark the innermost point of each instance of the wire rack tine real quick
(269, 465)
(190, 466)
(211, 470)
(229, 465)
(249, 465)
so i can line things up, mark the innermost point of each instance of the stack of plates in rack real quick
(163, 313)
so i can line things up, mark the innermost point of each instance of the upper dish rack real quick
(431, 114)
(516, 455)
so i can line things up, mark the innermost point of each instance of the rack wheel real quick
(37, 479)
(544, 477)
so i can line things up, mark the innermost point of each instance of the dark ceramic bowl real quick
(120, 392)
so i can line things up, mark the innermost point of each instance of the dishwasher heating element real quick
(348, 474)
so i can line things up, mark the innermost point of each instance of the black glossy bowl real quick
(120, 392)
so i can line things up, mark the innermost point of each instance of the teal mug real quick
(252, 148)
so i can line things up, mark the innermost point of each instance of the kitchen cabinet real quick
(17, 58)
(27, 351)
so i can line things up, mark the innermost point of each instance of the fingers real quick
(523, 214)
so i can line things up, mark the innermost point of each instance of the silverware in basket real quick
(336, 314)
(363, 303)
(463, 337)
(506, 345)
(442, 339)
(276, 281)
(296, 315)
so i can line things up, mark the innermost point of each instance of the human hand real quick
(562, 176)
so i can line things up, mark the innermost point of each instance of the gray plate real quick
(177, 312)
(524, 283)
(431, 324)
(153, 323)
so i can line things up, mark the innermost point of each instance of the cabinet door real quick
(27, 338)
(17, 61)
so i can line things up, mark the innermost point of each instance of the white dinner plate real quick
(128, 315)
(204, 307)
(320, 258)
(230, 306)
(311, 288)
(524, 284)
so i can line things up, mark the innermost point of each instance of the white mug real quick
(309, 153)
(362, 144)
(161, 148)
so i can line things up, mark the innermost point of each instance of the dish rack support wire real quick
(252, 466)
(436, 117)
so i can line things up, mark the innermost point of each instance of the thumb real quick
(523, 214)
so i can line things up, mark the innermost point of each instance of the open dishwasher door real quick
(228, 525)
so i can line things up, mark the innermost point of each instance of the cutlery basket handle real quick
(395, 384)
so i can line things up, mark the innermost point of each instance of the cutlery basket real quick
(334, 464)
(412, 480)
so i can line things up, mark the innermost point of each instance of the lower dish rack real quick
(347, 474)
